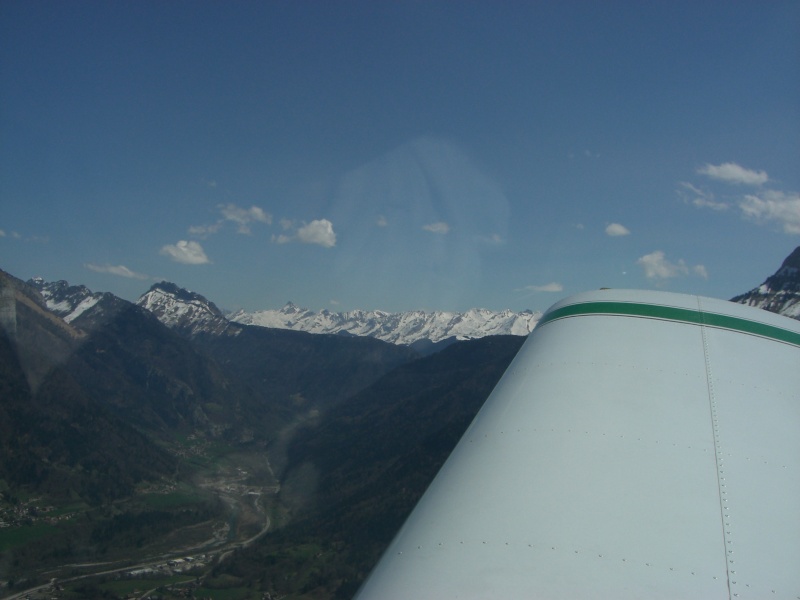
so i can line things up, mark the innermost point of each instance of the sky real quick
(399, 155)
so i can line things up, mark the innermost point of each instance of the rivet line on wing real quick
(718, 454)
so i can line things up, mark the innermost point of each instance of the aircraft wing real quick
(640, 445)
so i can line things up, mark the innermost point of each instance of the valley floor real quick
(181, 560)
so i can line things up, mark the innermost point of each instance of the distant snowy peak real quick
(181, 309)
(77, 304)
(67, 301)
(193, 314)
(396, 328)
(780, 293)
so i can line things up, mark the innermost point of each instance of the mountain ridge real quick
(180, 308)
(405, 328)
(780, 292)
(57, 436)
(426, 331)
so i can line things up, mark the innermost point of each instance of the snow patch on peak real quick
(67, 301)
(780, 293)
(179, 308)
(82, 307)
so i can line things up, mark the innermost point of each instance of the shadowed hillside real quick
(353, 479)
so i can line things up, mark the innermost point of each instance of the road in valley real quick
(247, 516)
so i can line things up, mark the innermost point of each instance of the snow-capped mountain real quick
(182, 309)
(70, 301)
(192, 313)
(780, 293)
(397, 328)
(65, 300)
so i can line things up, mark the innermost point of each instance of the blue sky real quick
(407, 155)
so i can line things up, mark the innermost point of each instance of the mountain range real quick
(193, 313)
(129, 431)
(105, 400)
(277, 367)
(424, 331)
(404, 328)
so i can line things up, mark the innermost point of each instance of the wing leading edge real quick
(641, 444)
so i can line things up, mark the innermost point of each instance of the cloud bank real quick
(774, 206)
(762, 206)
(318, 231)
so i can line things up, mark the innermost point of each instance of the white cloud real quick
(244, 216)
(553, 286)
(189, 253)
(657, 267)
(204, 230)
(700, 198)
(616, 230)
(763, 206)
(319, 231)
(18, 236)
(733, 173)
(495, 239)
(773, 205)
(381, 222)
(119, 270)
(440, 227)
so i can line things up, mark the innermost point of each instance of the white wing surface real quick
(640, 445)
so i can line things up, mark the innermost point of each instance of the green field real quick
(228, 594)
(12, 537)
(68, 509)
(123, 587)
(174, 499)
